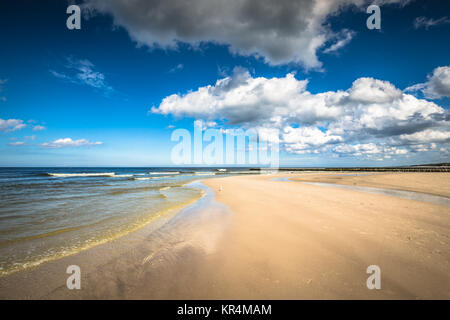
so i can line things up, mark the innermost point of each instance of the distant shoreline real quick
(368, 169)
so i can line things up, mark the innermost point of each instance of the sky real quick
(308, 72)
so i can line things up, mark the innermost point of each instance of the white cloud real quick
(305, 139)
(370, 149)
(241, 99)
(358, 149)
(39, 128)
(278, 31)
(344, 38)
(369, 90)
(89, 76)
(424, 22)
(426, 136)
(83, 72)
(11, 125)
(68, 142)
(372, 115)
(437, 84)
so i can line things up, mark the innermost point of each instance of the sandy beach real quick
(256, 237)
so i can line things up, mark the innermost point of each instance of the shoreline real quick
(153, 218)
(91, 258)
(251, 237)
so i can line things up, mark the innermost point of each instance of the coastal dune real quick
(263, 238)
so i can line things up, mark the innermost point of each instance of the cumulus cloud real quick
(427, 136)
(372, 116)
(83, 72)
(369, 90)
(11, 125)
(306, 139)
(68, 142)
(280, 32)
(437, 84)
(424, 22)
(243, 99)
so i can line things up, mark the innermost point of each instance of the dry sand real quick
(278, 240)
(432, 183)
(292, 240)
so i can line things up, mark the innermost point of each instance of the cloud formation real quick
(372, 117)
(83, 72)
(437, 84)
(427, 136)
(370, 149)
(11, 125)
(343, 39)
(39, 128)
(424, 22)
(280, 32)
(68, 142)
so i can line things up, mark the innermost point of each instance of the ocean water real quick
(47, 213)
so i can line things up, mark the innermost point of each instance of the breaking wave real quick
(165, 172)
(94, 174)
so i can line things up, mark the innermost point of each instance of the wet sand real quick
(156, 262)
(271, 240)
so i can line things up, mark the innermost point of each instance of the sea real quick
(48, 213)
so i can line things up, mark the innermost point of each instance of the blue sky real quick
(84, 97)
